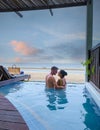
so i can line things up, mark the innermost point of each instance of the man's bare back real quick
(50, 80)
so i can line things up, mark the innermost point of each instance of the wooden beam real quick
(89, 31)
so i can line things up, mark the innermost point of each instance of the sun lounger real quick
(7, 78)
(4, 74)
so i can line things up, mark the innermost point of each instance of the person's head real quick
(54, 70)
(62, 73)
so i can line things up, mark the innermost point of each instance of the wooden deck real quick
(10, 118)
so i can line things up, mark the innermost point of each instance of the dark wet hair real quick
(54, 68)
(64, 73)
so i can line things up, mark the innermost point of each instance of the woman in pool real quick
(61, 83)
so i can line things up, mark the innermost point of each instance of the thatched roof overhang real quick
(25, 5)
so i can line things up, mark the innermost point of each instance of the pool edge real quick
(93, 92)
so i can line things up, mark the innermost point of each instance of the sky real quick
(42, 38)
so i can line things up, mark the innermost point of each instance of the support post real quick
(89, 30)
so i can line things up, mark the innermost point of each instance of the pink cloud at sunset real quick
(23, 48)
(17, 59)
(1, 59)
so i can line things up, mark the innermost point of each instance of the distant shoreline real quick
(44, 68)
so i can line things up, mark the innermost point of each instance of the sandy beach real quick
(71, 78)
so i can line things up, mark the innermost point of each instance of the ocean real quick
(45, 65)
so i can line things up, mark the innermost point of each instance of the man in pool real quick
(50, 80)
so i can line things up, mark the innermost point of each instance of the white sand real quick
(71, 78)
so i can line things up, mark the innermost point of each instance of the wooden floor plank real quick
(10, 118)
(13, 113)
(12, 126)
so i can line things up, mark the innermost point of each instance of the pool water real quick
(49, 109)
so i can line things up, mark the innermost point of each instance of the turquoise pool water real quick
(49, 109)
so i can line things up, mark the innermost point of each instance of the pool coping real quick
(94, 92)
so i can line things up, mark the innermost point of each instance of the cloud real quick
(23, 48)
(18, 60)
(73, 52)
(61, 34)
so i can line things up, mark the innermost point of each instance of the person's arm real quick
(64, 83)
(54, 82)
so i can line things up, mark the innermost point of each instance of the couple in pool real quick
(52, 83)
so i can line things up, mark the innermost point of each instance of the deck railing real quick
(95, 64)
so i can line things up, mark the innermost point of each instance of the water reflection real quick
(56, 98)
(92, 116)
